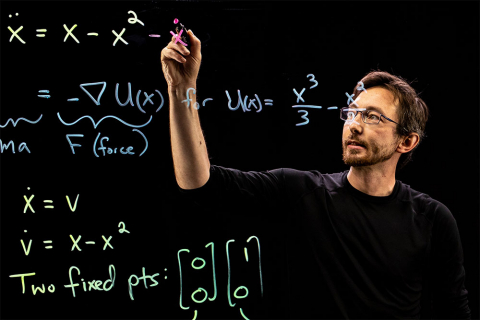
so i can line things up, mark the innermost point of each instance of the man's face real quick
(378, 141)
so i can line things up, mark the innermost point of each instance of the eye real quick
(373, 115)
(350, 115)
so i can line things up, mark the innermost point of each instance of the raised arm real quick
(190, 157)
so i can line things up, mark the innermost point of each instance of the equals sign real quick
(41, 35)
(48, 201)
(44, 95)
(268, 102)
(48, 241)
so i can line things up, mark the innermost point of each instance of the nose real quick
(356, 125)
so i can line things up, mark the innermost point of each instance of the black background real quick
(263, 48)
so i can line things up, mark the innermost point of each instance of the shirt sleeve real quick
(449, 294)
(239, 190)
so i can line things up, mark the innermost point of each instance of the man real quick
(376, 246)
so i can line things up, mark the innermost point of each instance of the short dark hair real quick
(412, 111)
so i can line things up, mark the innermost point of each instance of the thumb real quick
(195, 43)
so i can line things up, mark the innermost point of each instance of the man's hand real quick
(189, 152)
(181, 70)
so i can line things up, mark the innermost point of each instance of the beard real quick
(374, 154)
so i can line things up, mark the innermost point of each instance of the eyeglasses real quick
(368, 116)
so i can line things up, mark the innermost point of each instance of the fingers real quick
(172, 54)
(178, 52)
(195, 44)
(178, 47)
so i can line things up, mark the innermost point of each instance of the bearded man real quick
(376, 245)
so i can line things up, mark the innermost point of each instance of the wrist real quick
(180, 91)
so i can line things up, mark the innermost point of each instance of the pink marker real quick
(177, 37)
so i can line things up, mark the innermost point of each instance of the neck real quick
(377, 180)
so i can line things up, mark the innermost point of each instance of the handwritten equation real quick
(306, 106)
(49, 203)
(190, 264)
(72, 205)
(69, 35)
(154, 99)
(77, 284)
(75, 241)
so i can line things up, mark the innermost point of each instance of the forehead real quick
(378, 98)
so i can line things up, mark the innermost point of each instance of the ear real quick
(407, 143)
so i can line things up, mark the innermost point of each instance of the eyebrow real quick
(369, 108)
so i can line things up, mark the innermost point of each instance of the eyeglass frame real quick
(357, 110)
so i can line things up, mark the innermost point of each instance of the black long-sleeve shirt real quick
(370, 257)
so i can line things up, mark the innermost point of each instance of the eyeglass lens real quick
(368, 116)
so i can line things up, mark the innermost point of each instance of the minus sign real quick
(154, 35)
(90, 242)
(92, 34)
(332, 108)
(73, 99)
